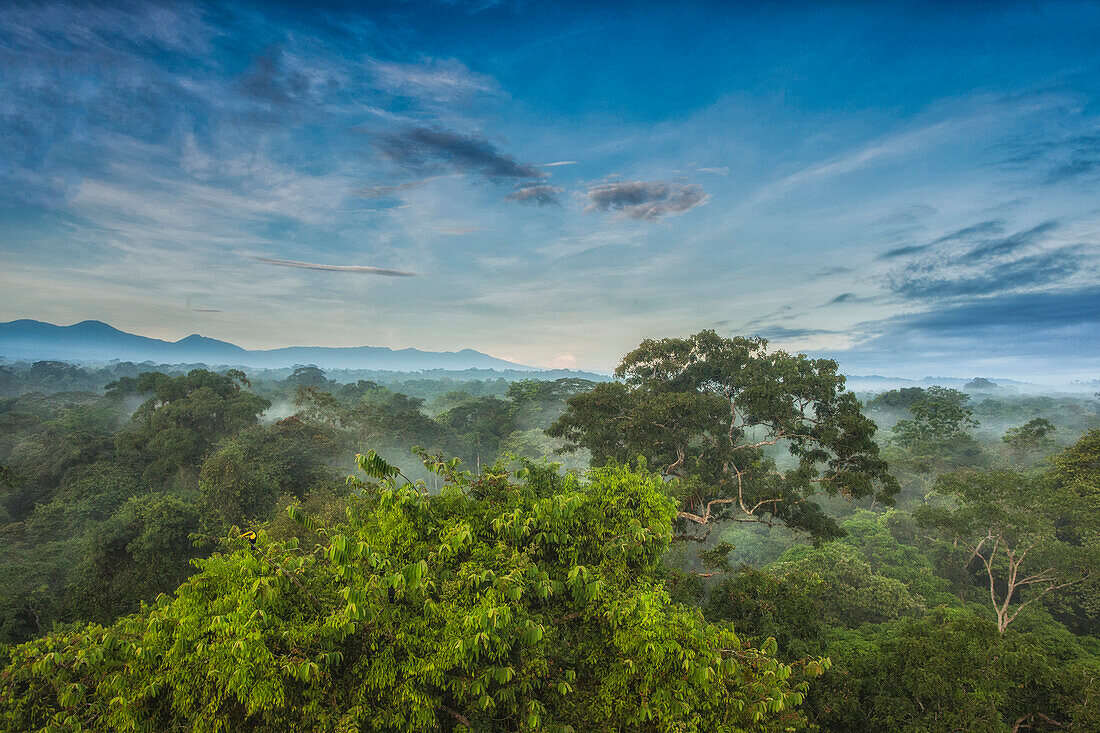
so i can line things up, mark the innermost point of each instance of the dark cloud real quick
(541, 194)
(1010, 244)
(908, 215)
(1073, 169)
(931, 281)
(1028, 311)
(1064, 160)
(1041, 333)
(646, 200)
(994, 226)
(424, 148)
(361, 269)
(830, 271)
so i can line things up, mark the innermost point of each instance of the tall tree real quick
(1030, 536)
(706, 409)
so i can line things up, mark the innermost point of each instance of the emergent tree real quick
(705, 410)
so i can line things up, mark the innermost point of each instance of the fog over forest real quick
(492, 366)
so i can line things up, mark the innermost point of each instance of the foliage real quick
(952, 671)
(185, 417)
(1034, 435)
(705, 409)
(1031, 537)
(940, 417)
(495, 606)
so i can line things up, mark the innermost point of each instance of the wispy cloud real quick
(1010, 244)
(437, 80)
(362, 269)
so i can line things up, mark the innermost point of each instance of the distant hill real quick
(95, 341)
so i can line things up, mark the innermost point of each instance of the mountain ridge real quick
(96, 341)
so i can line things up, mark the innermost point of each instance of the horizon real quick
(903, 189)
(1058, 385)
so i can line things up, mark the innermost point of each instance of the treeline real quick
(748, 551)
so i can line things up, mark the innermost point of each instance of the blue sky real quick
(913, 189)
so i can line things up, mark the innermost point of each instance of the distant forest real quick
(722, 538)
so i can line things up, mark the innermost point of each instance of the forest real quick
(723, 537)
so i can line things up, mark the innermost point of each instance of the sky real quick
(912, 189)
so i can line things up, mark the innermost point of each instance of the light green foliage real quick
(496, 606)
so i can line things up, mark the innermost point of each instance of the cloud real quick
(785, 333)
(274, 80)
(540, 194)
(993, 226)
(1041, 327)
(436, 80)
(1029, 311)
(936, 281)
(1011, 243)
(646, 201)
(459, 231)
(1064, 160)
(848, 298)
(904, 251)
(830, 271)
(426, 148)
(387, 191)
(560, 162)
(363, 269)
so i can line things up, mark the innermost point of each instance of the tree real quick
(1031, 537)
(185, 417)
(309, 376)
(241, 480)
(705, 409)
(952, 671)
(939, 417)
(143, 550)
(484, 421)
(1034, 435)
(317, 406)
(496, 606)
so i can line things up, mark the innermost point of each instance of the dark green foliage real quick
(1026, 537)
(940, 417)
(143, 550)
(952, 671)
(705, 409)
(185, 417)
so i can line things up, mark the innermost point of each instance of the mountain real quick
(95, 341)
